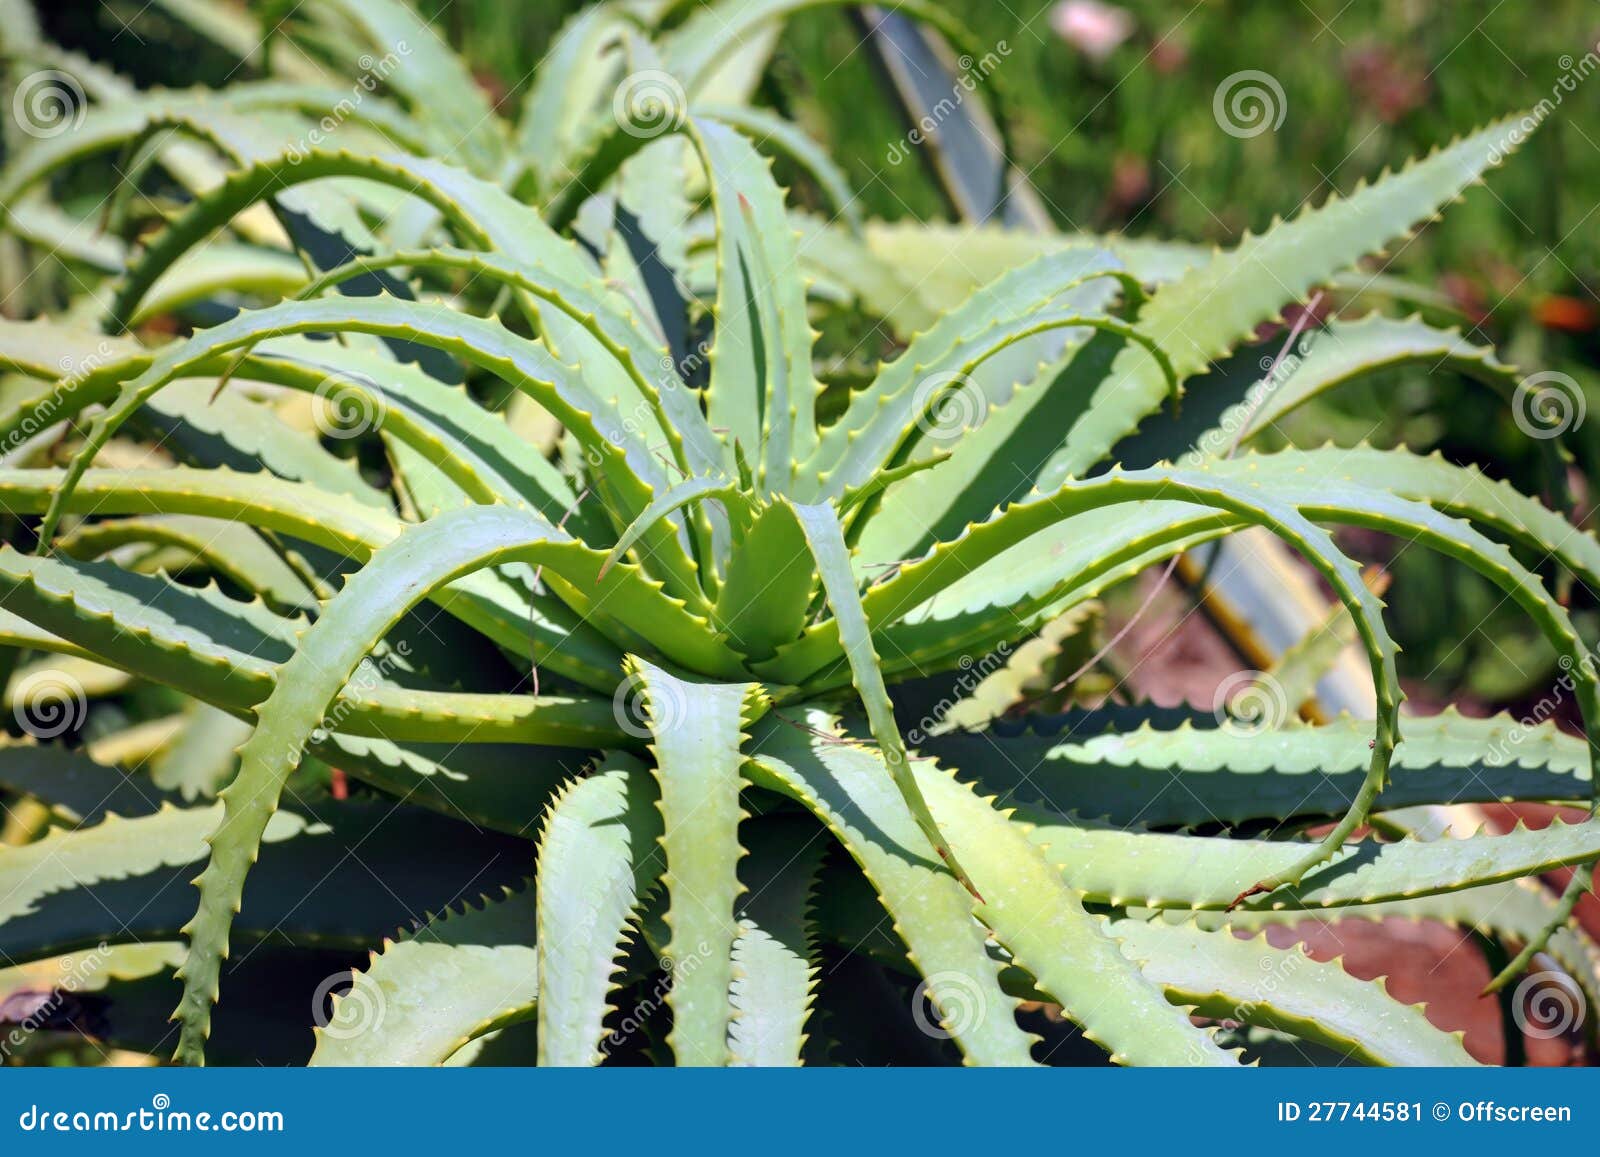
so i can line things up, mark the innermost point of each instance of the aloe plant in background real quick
(541, 488)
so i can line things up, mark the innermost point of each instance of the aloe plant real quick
(623, 639)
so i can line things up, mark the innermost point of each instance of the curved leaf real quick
(1032, 913)
(463, 974)
(825, 540)
(422, 559)
(846, 788)
(1249, 980)
(1206, 312)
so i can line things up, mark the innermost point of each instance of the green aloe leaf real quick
(761, 386)
(775, 968)
(1206, 312)
(696, 731)
(825, 539)
(1026, 905)
(597, 859)
(843, 784)
(1249, 980)
(307, 889)
(423, 558)
(1197, 871)
(462, 975)
(1189, 775)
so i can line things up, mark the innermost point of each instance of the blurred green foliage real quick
(1129, 142)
